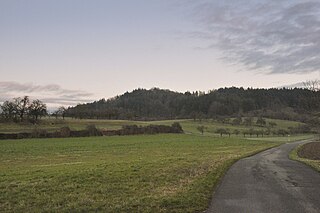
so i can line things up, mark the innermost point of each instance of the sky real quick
(66, 52)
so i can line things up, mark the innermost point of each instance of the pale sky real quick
(73, 51)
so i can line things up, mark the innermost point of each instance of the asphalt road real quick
(268, 182)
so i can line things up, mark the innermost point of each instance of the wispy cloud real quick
(271, 36)
(52, 94)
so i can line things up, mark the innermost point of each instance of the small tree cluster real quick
(23, 109)
(237, 121)
(261, 122)
(223, 131)
(61, 111)
(201, 129)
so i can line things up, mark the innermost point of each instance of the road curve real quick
(268, 182)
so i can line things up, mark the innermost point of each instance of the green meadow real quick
(144, 173)
(157, 173)
(189, 126)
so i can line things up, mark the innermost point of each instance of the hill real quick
(157, 104)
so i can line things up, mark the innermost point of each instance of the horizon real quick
(69, 52)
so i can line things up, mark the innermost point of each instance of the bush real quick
(261, 122)
(282, 132)
(201, 129)
(177, 128)
(237, 121)
(37, 133)
(236, 132)
(93, 131)
(222, 131)
(65, 132)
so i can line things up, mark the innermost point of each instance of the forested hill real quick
(292, 104)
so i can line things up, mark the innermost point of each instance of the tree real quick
(313, 85)
(237, 121)
(62, 111)
(282, 132)
(272, 124)
(248, 121)
(245, 132)
(37, 109)
(194, 116)
(176, 126)
(261, 121)
(259, 132)
(22, 106)
(201, 129)
(201, 116)
(236, 132)
(251, 132)
(222, 131)
(228, 132)
(8, 110)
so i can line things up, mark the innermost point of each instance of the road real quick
(268, 182)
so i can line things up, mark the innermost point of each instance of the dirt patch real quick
(310, 151)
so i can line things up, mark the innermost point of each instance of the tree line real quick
(141, 104)
(23, 109)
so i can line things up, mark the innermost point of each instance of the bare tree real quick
(37, 109)
(313, 85)
(201, 129)
(22, 106)
(62, 111)
(8, 110)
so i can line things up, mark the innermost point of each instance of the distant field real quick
(158, 173)
(189, 126)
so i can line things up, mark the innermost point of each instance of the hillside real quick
(141, 104)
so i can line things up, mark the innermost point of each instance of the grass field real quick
(158, 173)
(189, 126)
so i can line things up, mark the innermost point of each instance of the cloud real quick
(271, 36)
(51, 94)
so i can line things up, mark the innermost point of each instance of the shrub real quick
(237, 121)
(272, 124)
(222, 131)
(236, 132)
(65, 132)
(282, 132)
(38, 133)
(177, 128)
(93, 131)
(261, 122)
(201, 129)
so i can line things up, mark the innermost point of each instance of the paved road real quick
(268, 182)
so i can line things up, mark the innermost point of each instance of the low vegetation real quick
(309, 154)
(155, 173)
(205, 126)
(91, 130)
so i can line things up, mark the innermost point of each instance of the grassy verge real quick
(157, 173)
(313, 163)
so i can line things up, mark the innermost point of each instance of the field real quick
(190, 126)
(146, 173)
(158, 173)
